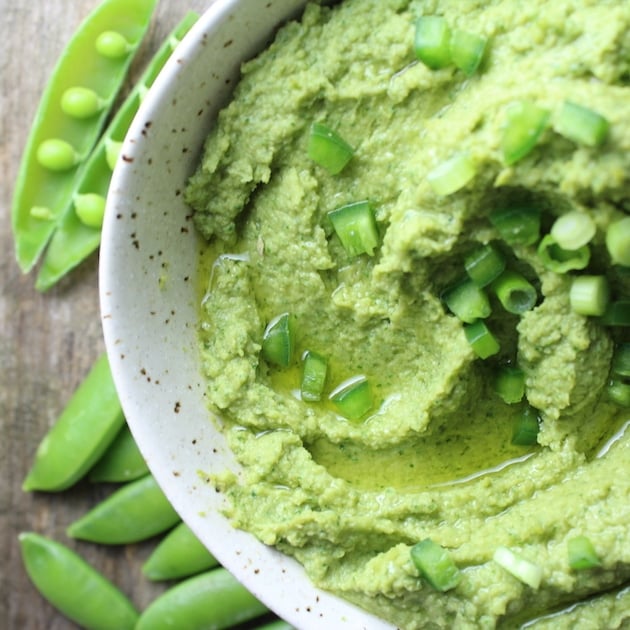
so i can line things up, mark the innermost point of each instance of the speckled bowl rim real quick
(148, 294)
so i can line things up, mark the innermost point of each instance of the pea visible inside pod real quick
(90, 209)
(56, 155)
(112, 45)
(81, 102)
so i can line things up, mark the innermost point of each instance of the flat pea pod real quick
(84, 430)
(278, 624)
(74, 587)
(122, 461)
(49, 183)
(179, 554)
(136, 511)
(210, 601)
(75, 237)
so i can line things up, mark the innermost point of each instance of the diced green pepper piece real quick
(582, 554)
(467, 50)
(526, 123)
(328, 149)
(526, 427)
(314, 373)
(436, 565)
(431, 42)
(452, 175)
(355, 225)
(279, 340)
(353, 398)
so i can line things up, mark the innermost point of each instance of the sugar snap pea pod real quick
(74, 587)
(60, 139)
(78, 233)
(82, 433)
(122, 461)
(209, 600)
(278, 624)
(180, 554)
(136, 511)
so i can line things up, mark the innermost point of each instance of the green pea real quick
(122, 461)
(57, 155)
(81, 102)
(90, 208)
(179, 554)
(210, 600)
(136, 511)
(112, 152)
(74, 587)
(81, 434)
(112, 45)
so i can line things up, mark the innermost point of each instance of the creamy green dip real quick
(433, 458)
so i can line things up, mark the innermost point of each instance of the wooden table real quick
(48, 341)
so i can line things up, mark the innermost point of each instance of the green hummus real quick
(433, 458)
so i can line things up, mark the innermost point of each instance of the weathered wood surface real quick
(48, 341)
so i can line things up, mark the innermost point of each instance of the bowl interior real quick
(149, 303)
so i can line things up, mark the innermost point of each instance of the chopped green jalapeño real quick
(278, 340)
(435, 565)
(353, 398)
(328, 149)
(314, 372)
(355, 225)
(431, 41)
(526, 123)
(582, 554)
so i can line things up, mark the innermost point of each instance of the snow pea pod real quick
(81, 434)
(122, 461)
(180, 554)
(136, 511)
(62, 134)
(210, 600)
(74, 587)
(75, 239)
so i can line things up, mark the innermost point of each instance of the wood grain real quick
(48, 341)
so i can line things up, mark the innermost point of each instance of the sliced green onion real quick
(517, 225)
(573, 230)
(619, 392)
(621, 360)
(328, 149)
(431, 41)
(526, 123)
(467, 50)
(515, 293)
(467, 301)
(589, 295)
(617, 314)
(279, 340)
(526, 427)
(582, 554)
(353, 397)
(509, 384)
(356, 227)
(484, 265)
(482, 341)
(314, 372)
(435, 565)
(580, 124)
(560, 260)
(527, 572)
(618, 241)
(452, 175)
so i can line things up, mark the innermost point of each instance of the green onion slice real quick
(582, 554)
(452, 175)
(621, 360)
(328, 149)
(617, 314)
(619, 392)
(580, 124)
(517, 225)
(527, 572)
(355, 225)
(589, 295)
(515, 293)
(560, 260)
(573, 230)
(279, 340)
(618, 241)
(482, 341)
(467, 301)
(467, 50)
(525, 125)
(526, 427)
(509, 384)
(484, 265)
(431, 41)
(314, 372)
(353, 397)
(435, 565)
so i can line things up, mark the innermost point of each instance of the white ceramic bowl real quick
(149, 257)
